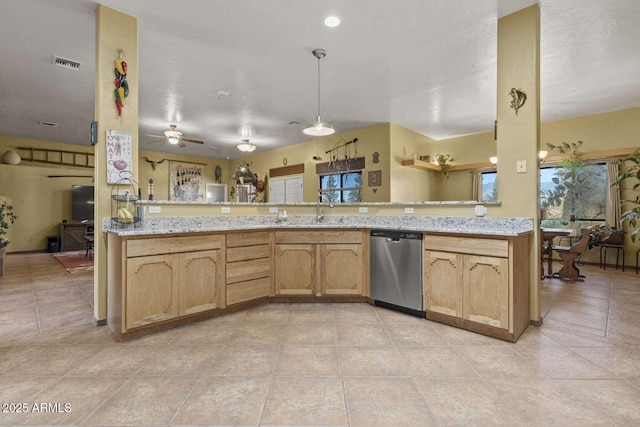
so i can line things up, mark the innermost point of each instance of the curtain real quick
(476, 185)
(613, 194)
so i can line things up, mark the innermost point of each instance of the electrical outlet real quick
(363, 210)
(521, 166)
(273, 210)
(408, 210)
(155, 209)
(225, 209)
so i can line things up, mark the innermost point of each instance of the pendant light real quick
(246, 146)
(318, 128)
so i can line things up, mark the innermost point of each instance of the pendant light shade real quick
(246, 146)
(319, 128)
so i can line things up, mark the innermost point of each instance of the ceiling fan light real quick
(173, 136)
(318, 128)
(246, 146)
(173, 140)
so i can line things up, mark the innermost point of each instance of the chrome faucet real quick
(320, 215)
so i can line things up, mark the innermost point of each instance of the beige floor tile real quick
(362, 334)
(614, 399)
(22, 388)
(311, 315)
(67, 401)
(115, 361)
(224, 401)
(244, 360)
(371, 361)
(13, 355)
(386, 402)
(498, 362)
(455, 336)
(258, 334)
(143, 401)
(465, 402)
(355, 313)
(307, 360)
(56, 360)
(571, 334)
(311, 333)
(436, 362)
(545, 402)
(305, 401)
(586, 320)
(623, 362)
(394, 317)
(559, 363)
(532, 337)
(186, 360)
(268, 313)
(209, 332)
(414, 334)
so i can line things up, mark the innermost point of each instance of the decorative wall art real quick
(375, 178)
(518, 98)
(118, 154)
(122, 86)
(186, 181)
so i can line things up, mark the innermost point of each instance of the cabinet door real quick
(152, 289)
(199, 281)
(341, 269)
(486, 290)
(295, 269)
(443, 283)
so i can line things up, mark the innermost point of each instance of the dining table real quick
(546, 248)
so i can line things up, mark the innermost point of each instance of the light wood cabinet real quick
(443, 283)
(249, 265)
(478, 283)
(151, 290)
(199, 278)
(319, 263)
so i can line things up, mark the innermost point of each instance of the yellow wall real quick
(41, 202)
(370, 140)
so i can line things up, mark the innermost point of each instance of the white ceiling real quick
(427, 65)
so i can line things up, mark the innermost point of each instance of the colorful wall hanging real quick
(122, 86)
(186, 181)
(118, 154)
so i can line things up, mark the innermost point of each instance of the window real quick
(579, 193)
(489, 189)
(342, 187)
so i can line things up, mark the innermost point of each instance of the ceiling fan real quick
(174, 137)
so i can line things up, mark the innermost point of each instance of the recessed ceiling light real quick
(332, 21)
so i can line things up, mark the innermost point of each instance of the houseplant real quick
(7, 217)
(445, 161)
(632, 214)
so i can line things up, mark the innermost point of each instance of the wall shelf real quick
(427, 166)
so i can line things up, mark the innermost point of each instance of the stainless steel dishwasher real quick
(396, 270)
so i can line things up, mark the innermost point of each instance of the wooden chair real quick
(569, 254)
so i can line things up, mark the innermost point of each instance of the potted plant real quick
(632, 214)
(445, 161)
(7, 217)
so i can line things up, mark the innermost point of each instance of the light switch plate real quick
(155, 209)
(363, 210)
(225, 209)
(480, 210)
(408, 210)
(521, 166)
(273, 210)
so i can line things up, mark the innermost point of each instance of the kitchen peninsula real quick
(171, 271)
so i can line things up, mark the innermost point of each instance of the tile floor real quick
(317, 364)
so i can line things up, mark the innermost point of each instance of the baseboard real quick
(101, 322)
(536, 323)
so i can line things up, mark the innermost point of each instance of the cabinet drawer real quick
(467, 245)
(318, 237)
(250, 238)
(244, 253)
(246, 291)
(172, 245)
(248, 270)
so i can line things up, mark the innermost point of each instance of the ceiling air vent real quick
(293, 122)
(66, 63)
(48, 124)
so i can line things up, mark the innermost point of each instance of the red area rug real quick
(74, 261)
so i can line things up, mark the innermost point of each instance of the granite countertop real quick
(193, 224)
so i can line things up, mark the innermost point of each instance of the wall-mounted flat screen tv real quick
(82, 202)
